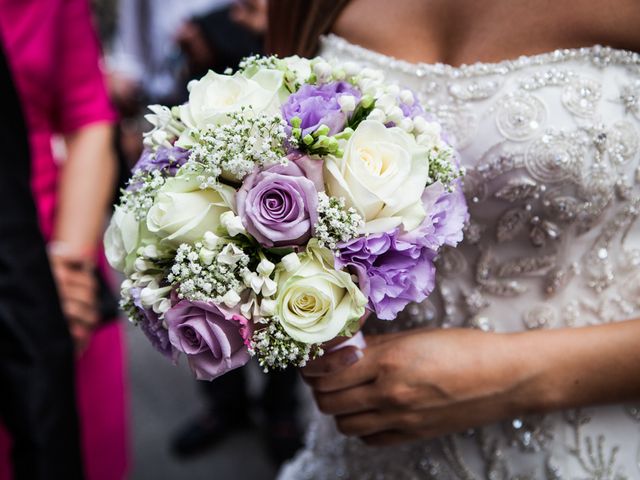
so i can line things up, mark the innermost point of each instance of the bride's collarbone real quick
(467, 31)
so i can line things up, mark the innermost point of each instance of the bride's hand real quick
(420, 384)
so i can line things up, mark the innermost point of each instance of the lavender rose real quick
(210, 338)
(278, 206)
(391, 272)
(316, 105)
(169, 159)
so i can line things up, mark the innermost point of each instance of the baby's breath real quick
(274, 348)
(205, 275)
(141, 192)
(442, 168)
(254, 63)
(335, 222)
(236, 148)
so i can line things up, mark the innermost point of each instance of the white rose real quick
(316, 302)
(215, 96)
(382, 174)
(121, 240)
(182, 212)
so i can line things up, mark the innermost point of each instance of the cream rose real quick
(182, 212)
(215, 96)
(381, 174)
(314, 301)
(122, 239)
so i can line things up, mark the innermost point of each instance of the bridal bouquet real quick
(275, 206)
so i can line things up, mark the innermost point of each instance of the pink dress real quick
(54, 55)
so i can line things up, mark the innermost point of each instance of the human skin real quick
(423, 384)
(427, 383)
(467, 31)
(84, 193)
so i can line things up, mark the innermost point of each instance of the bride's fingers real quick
(331, 344)
(335, 361)
(347, 402)
(332, 362)
(367, 423)
(346, 367)
(360, 373)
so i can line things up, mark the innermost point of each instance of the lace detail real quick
(551, 146)
(597, 55)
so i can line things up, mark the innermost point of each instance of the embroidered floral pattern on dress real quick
(551, 145)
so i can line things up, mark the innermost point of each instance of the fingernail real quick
(352, 357)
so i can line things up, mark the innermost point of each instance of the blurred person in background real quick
(104, 20)
(53, 52)
(218, 40)
(37, 402)
(144, 62)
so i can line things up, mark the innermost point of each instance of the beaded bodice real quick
(551, 147)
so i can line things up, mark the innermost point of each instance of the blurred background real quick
(140, 416)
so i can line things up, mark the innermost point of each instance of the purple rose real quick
(446, 216)
(391, 272)
(210, 338)
(316, 105)
(169, 159)
(278, 206)
(152, 327)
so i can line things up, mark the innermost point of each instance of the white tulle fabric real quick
(551, 147)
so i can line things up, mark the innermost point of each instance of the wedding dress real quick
(551, 147)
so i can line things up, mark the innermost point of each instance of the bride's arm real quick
(420, 384)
